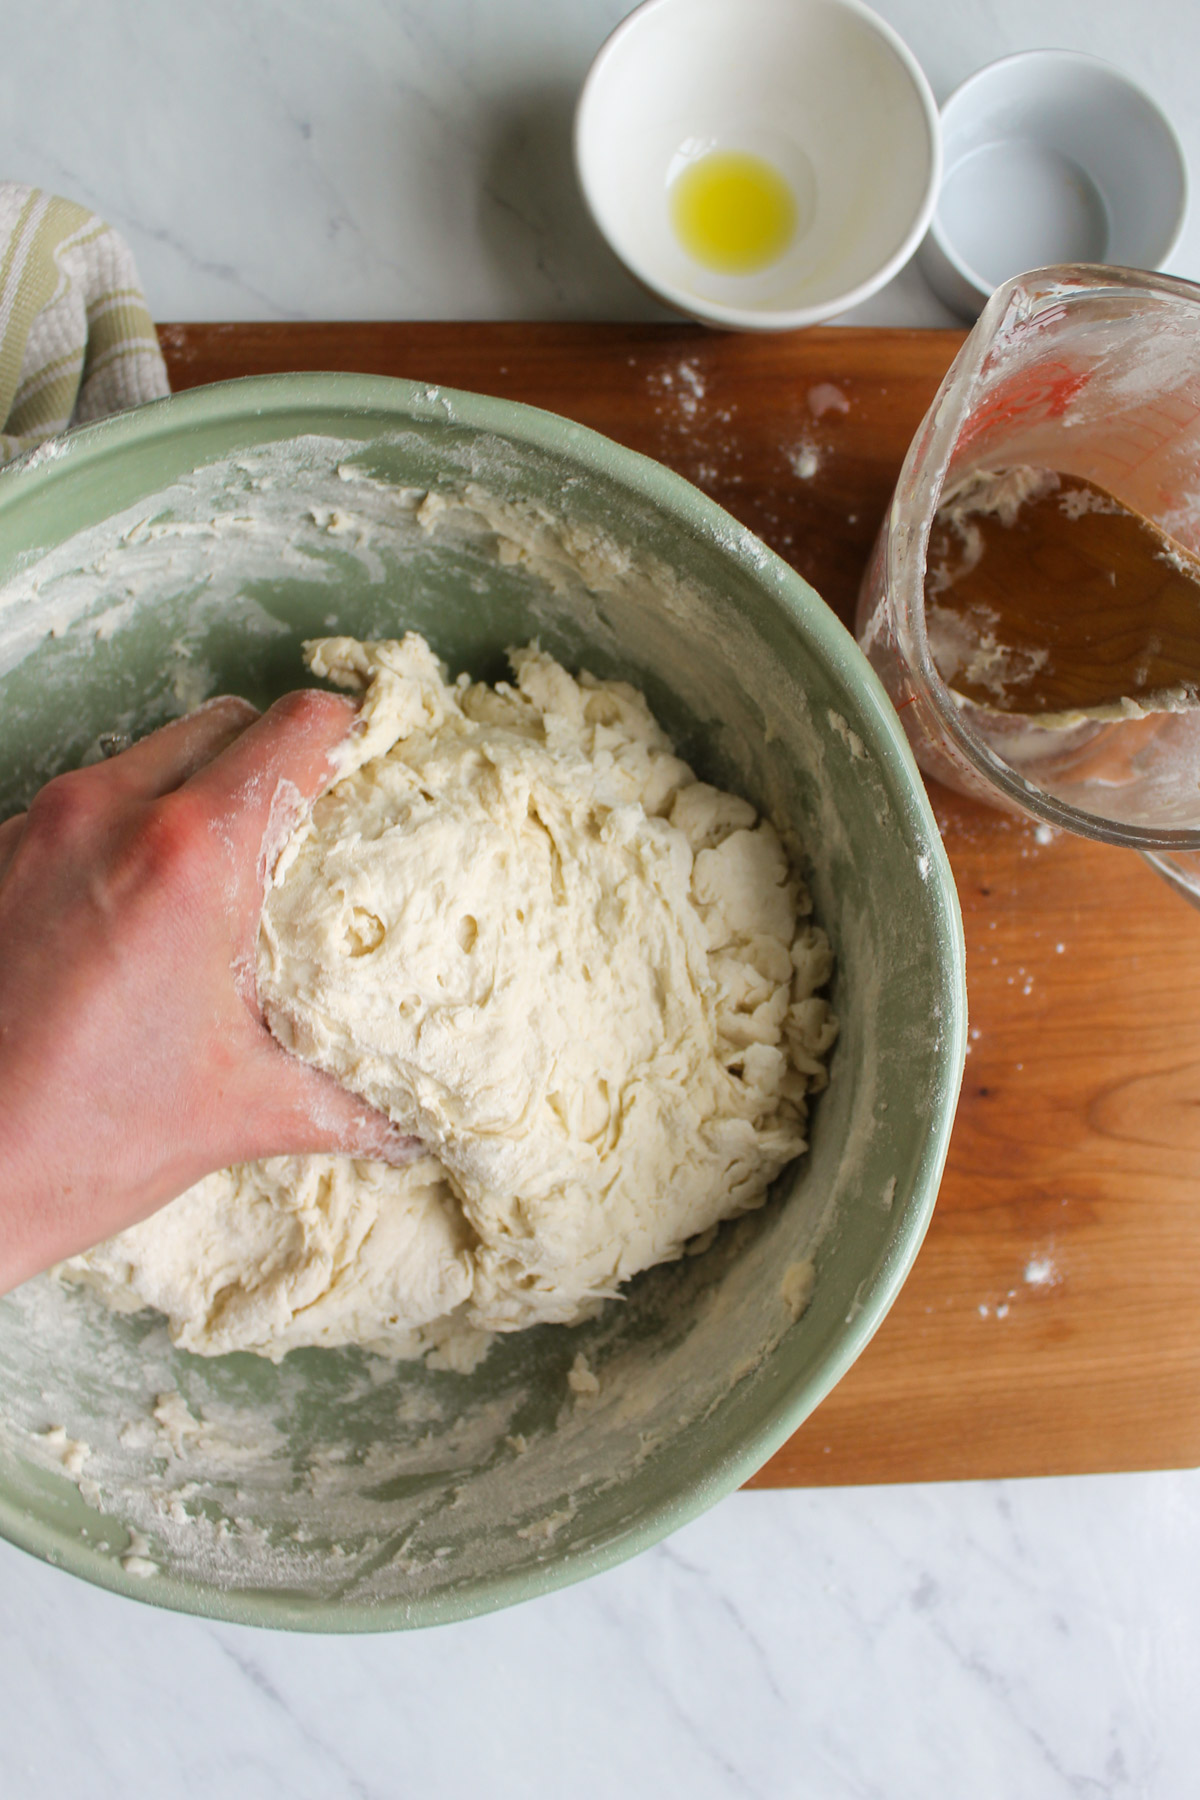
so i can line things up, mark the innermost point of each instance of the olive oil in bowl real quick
(733, 211)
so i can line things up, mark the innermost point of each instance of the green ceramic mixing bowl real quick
(189, 548)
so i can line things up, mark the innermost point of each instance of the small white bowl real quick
(821, 90)
(1051, 157)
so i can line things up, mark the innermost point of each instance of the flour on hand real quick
(586, 981)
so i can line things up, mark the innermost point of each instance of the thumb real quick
(291, 1108)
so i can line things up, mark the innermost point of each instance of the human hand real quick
(133, 1056)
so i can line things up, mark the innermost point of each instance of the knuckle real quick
(64, 808)
(168, 842)
(115, 851)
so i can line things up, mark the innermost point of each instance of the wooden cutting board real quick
(1052, 1322)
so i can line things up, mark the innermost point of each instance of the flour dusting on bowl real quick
(335, 1490)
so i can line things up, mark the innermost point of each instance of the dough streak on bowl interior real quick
(191, 547)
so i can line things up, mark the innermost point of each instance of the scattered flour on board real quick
(1040, 1272)
(805, 459)
(684, 383)
(826, 397)
(805, 455)
(691, 389)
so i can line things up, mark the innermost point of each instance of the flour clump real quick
(585, 980)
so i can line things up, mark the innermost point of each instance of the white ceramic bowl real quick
(1050, 157)
(821, 90)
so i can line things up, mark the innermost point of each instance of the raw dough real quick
(518, 924)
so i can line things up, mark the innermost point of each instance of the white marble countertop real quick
(409, 159)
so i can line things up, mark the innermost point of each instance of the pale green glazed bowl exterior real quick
(336, 1492)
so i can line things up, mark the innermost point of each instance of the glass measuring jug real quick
(1087, 371)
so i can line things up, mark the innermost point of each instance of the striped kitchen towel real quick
(76, 339)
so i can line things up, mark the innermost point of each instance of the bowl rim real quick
(758, 318)
(391, 401)
(1047, 58)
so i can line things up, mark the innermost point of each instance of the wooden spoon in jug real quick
(1045, 595)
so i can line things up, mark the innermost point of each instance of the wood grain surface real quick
(1051, 1322)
